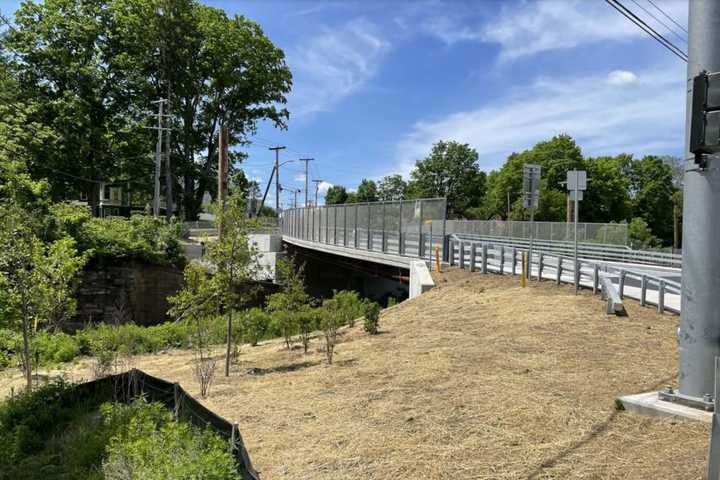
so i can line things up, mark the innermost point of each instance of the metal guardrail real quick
(494, 257)
(594, 251)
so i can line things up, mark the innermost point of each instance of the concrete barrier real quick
(420, 279)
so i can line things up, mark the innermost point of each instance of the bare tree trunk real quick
(229, 343)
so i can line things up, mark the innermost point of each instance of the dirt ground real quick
(476, 379)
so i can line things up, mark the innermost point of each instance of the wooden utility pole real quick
(222, 173)
(277, 178)
(317, 187)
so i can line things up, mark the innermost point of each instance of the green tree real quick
(449, 171)
(235, 264)
(641, 235)
(391, 187)
(36, 279)
(335, 195)
(651, 191)
(555, 157)
(94, 67)
(607, 197)
(367, 191)
(286, 304)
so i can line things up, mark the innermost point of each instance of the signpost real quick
(531, 199)
(576, 184)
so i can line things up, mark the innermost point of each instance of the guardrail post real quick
(661, 297)
(514, 258)
(540, 266)
(596, 277)
(643, 290)
(451, 259)
(473, 254)
(502, 260)
(558, 269)
(461, 255)
(576, 274)
(484, 258)
(621, 284)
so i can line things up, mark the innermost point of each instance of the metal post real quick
(713, 468)
(502, 259)
(484, 258)
(355, 241)
(514, 259)
(400, 239)
(368, 238)
(621, 284)
(661, 297)
(473, 256)
(451, 260)
(383, 244)
(540, 266)
(345, 233)
(643, 290)
(335, 209)
(558, 270)
(461, 256)
(444, 232)
(529, 257)
(420, 231)
(575, 241)
(327, 223)
(700, 316)
(596, 277)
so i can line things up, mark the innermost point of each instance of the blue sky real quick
(376, 83)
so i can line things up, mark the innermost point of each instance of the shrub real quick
(372, 318)
(52, 348)
(284, 324)
(307, 321)
(255, 324)
(349, 305)
(149, 444)
(331, 321)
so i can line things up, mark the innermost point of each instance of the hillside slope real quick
(477, 379)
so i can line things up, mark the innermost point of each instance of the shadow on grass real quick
(282, 368)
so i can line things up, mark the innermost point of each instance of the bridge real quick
(414, 234)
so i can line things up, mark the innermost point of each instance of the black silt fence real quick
(136, 383)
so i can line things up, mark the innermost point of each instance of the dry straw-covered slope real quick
(477, 379)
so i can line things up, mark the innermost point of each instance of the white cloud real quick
(529, 27)
(601, 117)
(621, 77)
(300, 177)
(333, 65)
(323, 187)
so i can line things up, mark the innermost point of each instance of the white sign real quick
(577, 180)
(580, 195)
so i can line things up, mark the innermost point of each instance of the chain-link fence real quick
(605, 233)
(413, 228)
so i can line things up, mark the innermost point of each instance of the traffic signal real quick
(705, 122)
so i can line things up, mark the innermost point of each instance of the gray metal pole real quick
(575, 246)
(530, 252)
(699, 333)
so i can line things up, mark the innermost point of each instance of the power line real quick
(667, 16)
(647, 29)
(671, 30)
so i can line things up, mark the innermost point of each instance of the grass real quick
(476, 379)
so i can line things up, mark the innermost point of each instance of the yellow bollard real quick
(437, 258)
(522, 270)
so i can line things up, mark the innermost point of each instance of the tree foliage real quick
(335, 195)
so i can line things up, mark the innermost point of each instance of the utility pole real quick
(295, 192)
(168, 167)
(699, 333)
(222, 172)
(158, 157)
(307, 160)
(277, 177)
(317, 187)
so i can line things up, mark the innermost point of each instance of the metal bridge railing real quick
(604, 233)
(414, 228)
